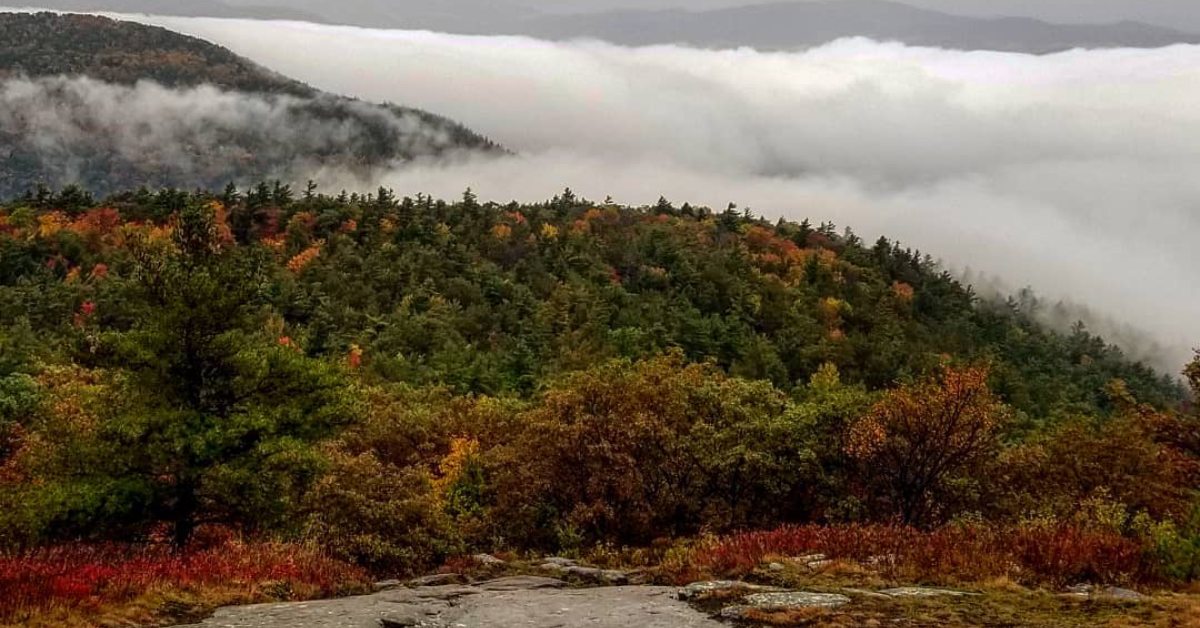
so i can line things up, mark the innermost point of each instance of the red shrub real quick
(86, 576)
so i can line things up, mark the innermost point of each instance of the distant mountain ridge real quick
(796, 25)
(109, 105)
(771, 26)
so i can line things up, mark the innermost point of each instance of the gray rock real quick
(1118, 593)
(866, 593)
(410, 619)
(783, 601)
(795, 599)
(707, 588)
(439, 592)
(776, 567)
(384, 585)
(639, 576)
(606, 607)
(1087, 591)
(560, 561)
(437, 579)
(812, 561)
(487, 559)
(589, 574)
(924, 592)
(521, 583)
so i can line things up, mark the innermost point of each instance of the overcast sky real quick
(1073, 10)
(1177, 14)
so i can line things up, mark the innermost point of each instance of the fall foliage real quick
(403, 380)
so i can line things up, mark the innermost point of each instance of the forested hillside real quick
(50, 44)
(403, 380)
(111, 105)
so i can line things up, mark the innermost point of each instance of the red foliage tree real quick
(921, 437)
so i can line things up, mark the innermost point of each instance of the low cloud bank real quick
(1072, 173)
(62, 130)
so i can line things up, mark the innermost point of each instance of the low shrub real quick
(86, 578)
(1035, 553)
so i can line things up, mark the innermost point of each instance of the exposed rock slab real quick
(713, 588)
(924, 592)
(1084, 591)
(587, 574)
(519, 583)
(498, 604)
(437, 579)
(784, 601)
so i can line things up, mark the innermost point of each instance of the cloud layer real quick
(107, 137)
(1073, 173)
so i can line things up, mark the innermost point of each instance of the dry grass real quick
(1049, 555)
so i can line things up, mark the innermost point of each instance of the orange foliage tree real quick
(920, 442)
(628, 453)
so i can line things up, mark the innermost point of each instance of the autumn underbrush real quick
(1030, 554)
(995, 606)
(119, 584)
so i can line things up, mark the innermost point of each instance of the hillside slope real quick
(46, 44)
(109, 105)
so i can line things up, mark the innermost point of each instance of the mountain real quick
(46, 44)
(190, 8)
(795, 25)
(1172, 14)
(107, 105)
(1007, 25)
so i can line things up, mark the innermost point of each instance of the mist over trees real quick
(108, 105)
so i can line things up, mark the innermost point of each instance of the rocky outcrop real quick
(707, 589)
(784, 601)
(1086, 591)
(524, 601)
(565, 567)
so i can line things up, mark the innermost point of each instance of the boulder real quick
(487, 559)
(713, 588)
(784, 601)
(437, 579)
(812, 561)
(588, 574)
